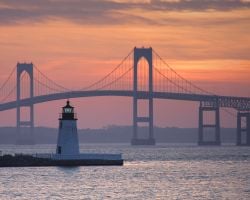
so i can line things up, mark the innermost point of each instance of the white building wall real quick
(68, 137)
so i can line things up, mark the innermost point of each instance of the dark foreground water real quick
(162, 172)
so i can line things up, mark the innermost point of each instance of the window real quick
(68, 110)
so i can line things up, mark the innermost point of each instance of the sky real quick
(75, 42)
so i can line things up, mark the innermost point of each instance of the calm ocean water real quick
(165, 171)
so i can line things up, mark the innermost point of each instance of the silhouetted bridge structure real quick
(142, 75)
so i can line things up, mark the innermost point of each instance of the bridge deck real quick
(239, 103)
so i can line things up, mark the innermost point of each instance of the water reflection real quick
(161, 172)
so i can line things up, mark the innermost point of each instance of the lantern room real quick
(68, 112)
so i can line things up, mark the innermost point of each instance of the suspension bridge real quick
(142, 75)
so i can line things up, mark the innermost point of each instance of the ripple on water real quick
(161, 172)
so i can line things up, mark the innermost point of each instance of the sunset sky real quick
(75, 42)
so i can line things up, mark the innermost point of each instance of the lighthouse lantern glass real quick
(67, 110)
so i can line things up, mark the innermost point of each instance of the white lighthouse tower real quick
(67, 141)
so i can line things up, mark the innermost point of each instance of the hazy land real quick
(116, 134)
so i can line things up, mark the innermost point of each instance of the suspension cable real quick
(116, 80)
(9, 77)
(110, 73)
(53, 82)
(189, 82)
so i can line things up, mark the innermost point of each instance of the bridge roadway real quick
(239, 103)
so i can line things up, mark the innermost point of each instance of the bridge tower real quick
(147, 54)
(241, 130)
(206, 107)
(27, 124)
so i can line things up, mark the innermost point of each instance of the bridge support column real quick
(203, 108)
(147, 54)
(245, 118)
(25, 129)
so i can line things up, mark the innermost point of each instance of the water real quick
(162, 172)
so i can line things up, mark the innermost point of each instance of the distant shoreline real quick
(113, 134)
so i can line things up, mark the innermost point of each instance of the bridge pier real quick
(147, 54)
(25, 129)
(243, 117)
(208, 108)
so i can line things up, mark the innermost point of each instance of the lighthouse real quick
(67, 150)
(67, 141)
